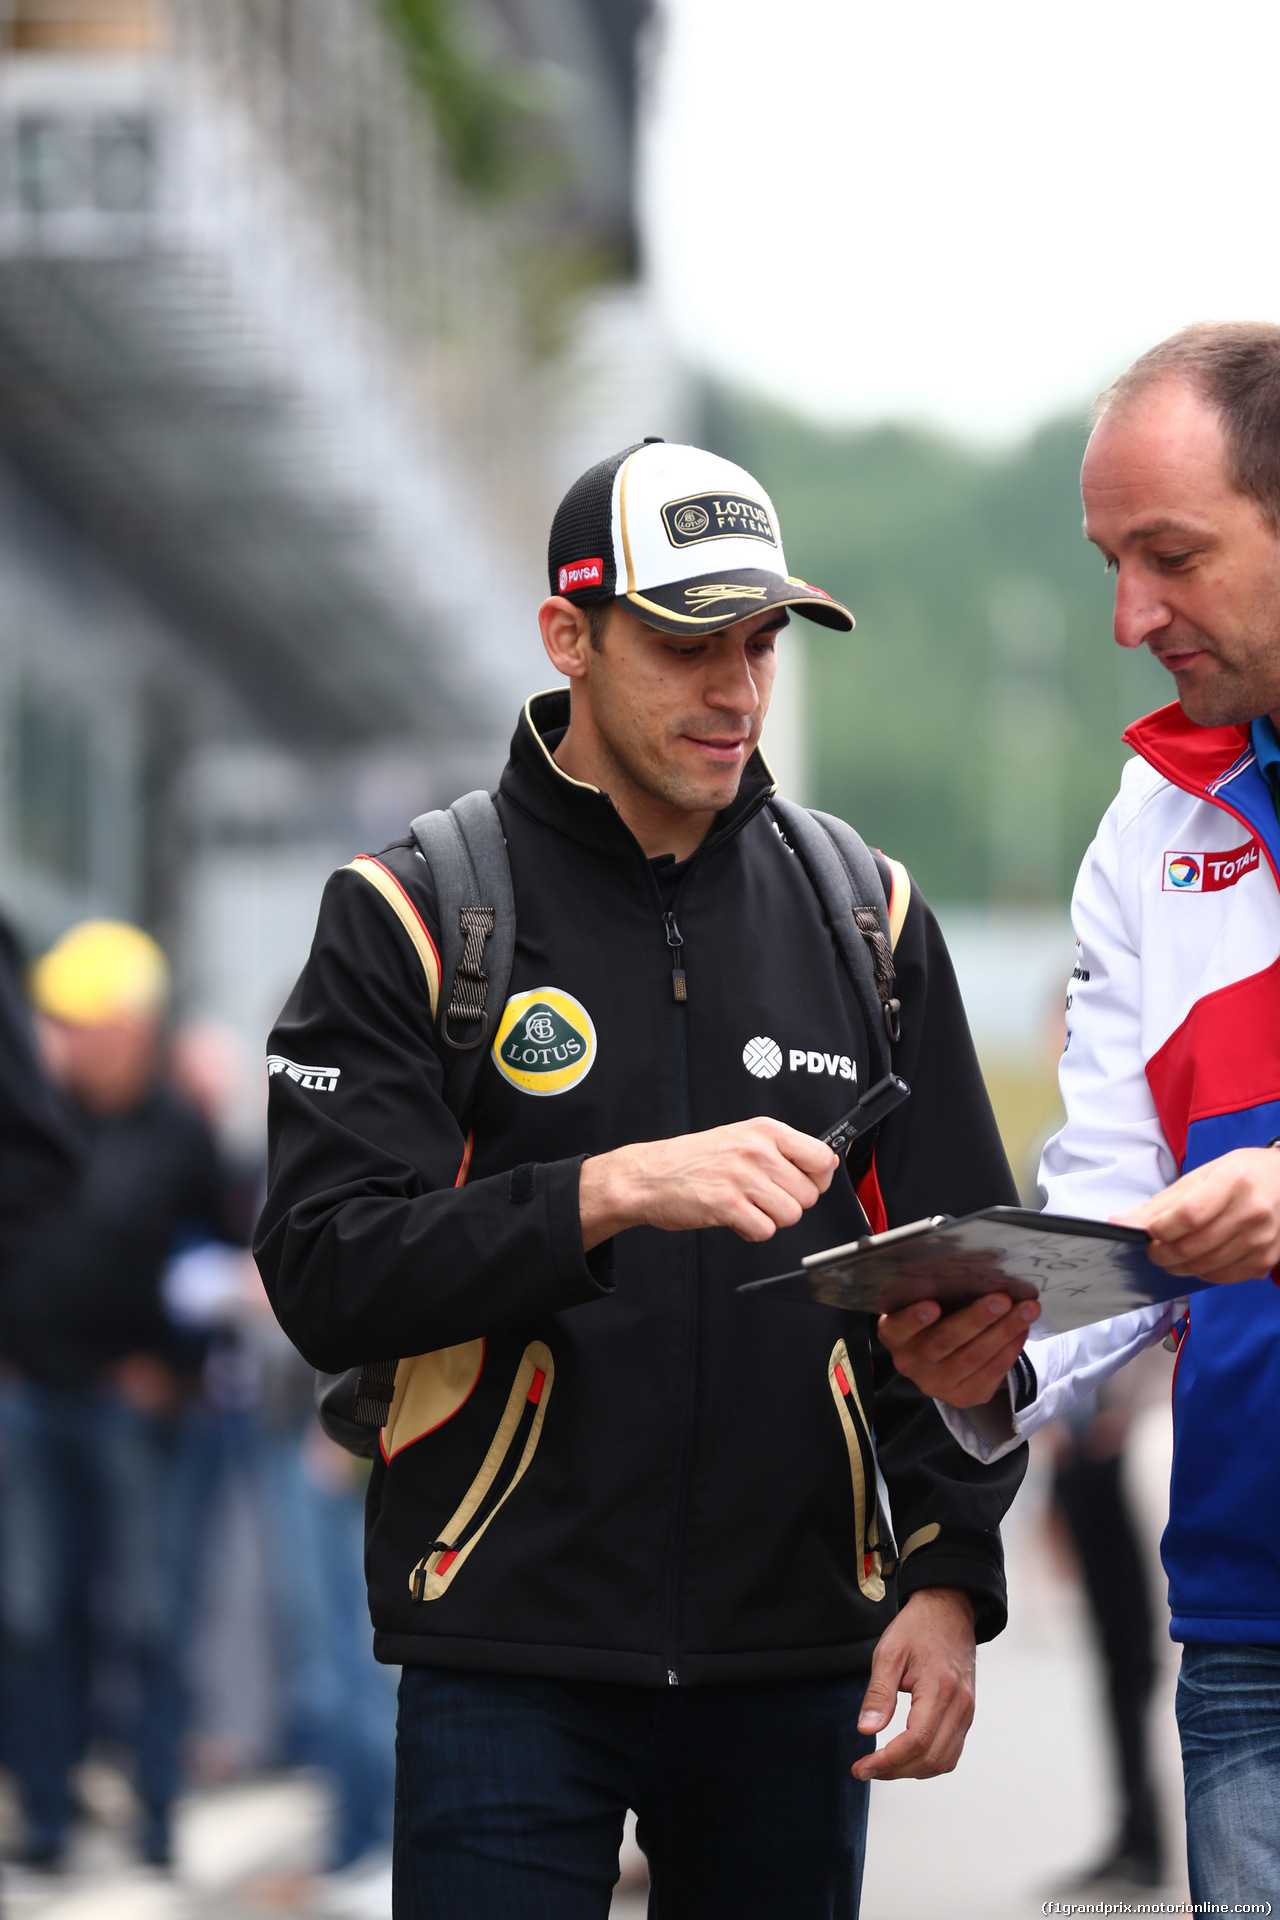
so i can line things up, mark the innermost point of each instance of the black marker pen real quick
(875, 1103)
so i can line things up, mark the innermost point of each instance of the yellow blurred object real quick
(98, 971)
(1028, 1108)
(84, 26)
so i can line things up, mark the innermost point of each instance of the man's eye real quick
(1174, 560)
(1111, 565)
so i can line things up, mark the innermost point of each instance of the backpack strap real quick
(847, 881)
(871, 912)
(466, 851)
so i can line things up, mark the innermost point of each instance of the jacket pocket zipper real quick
(873, 1559)
(515, 1441)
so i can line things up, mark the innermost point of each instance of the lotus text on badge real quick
(711, 516)
(545, 1041)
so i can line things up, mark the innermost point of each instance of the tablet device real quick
(1079, 1270)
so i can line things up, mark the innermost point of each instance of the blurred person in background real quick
(40, 1152)
(210, 1064)
(1171, 1076)
(94, 1381)
(1092, 1500)
(340, 1704)
(1096, 1506)
(252, 1427)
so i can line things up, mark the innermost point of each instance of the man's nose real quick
(1140, 609)
(732, 688)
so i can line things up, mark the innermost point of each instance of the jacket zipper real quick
(684, 1116)
(689, 1262)
(675, 940)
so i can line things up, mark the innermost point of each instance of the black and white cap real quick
(689, 540)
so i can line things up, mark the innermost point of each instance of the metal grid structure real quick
(228, 250)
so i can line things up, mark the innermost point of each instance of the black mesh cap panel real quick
(583, 530)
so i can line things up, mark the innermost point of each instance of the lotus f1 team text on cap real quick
(689, 540)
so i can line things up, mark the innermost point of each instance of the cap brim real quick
(715, 600)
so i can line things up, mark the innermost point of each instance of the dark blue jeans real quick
(337, 1704)
(511, 1794)
(86, 1492)
(1229, 1721)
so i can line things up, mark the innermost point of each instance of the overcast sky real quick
(967, 215)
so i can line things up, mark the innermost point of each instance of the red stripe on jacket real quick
(868, 1192)
(1214, 1062)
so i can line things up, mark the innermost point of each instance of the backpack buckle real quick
(465, 1046)
(470, 982)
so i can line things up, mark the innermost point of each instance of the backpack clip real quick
(470, 982)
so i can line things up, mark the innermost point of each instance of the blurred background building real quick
(308, 311)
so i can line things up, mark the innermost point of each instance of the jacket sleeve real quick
(372, 1244)
(1056, 1374)
(940, 1153)
(1111, 1154)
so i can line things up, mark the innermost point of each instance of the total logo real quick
(1209, 872)
(1182, 870)
(763, 1058)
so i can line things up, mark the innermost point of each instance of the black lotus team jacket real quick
(613, 1465)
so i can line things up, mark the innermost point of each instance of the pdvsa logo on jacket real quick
(545, 1041)
(1209, 872)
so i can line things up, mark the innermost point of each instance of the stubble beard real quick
(666, 780)
(1223, 701)
(652, 768)
(1240, 684)
(1233, 693)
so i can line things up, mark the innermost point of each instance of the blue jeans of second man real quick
(511, 1793)
(86, 1491)
(1229, 1721)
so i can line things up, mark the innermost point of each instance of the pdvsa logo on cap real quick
(1209, 872)
(581, 573)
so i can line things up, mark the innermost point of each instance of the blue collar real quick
(1266, 750)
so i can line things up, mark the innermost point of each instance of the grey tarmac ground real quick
(1028, 1805)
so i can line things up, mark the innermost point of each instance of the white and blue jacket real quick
(1172, 1059)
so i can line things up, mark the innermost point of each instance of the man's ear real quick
(566, 635)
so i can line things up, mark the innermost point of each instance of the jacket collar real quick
(534, 781)
(1191, 757)
(1217, 764)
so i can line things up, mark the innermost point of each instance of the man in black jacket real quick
(632, 1534)
(40, 1156)
(93, 1380)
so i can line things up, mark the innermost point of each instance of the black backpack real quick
(467, 852)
